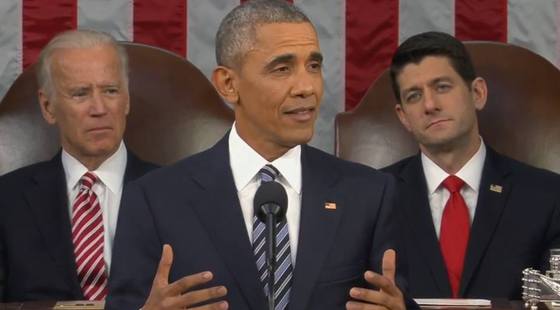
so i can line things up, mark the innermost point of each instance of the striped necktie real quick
(88, 240)
(283, 274)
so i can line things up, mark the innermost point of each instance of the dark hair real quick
(432, 43)
(237, 31)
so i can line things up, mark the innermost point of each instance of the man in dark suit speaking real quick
(473, 219)
(58, 218)
(339, 216)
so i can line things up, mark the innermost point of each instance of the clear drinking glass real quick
(554, 271)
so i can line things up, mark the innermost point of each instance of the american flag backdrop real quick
(357, 36)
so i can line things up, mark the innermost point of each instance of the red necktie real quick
(88, 239)
(454, 233)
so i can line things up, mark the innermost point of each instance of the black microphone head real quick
(270, 198)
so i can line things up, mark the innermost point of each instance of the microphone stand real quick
(270, 205)
(271, 256)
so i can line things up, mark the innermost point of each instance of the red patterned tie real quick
(454, 233)
(88, 239)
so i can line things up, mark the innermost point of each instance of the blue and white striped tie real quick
(283, 273)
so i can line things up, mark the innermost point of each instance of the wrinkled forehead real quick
(270, 33)
(274, 40)
(426, 69)
(85, 63)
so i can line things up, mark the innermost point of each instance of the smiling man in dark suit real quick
(339, 218)
(473, 218)
(58, 218)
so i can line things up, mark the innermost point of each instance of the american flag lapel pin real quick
(330, 205)
(496, 188)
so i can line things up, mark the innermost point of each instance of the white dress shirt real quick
(470, 173)
(108, 190)
(245, 164)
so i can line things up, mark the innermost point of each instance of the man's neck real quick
(452, 158)
(267, 149)
(92, 162)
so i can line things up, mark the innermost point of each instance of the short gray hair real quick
(237, 31)
(81, 38)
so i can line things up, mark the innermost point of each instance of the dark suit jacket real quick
(35, 231)
(194, 207)
(512, 229)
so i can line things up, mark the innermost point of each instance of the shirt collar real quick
(110, 172)
(245, 163)
(470, 173)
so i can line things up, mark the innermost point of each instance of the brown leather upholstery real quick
(521, 118)
(175, 112)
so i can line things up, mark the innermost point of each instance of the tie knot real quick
(453, 183)
(88, 179)
(268, 173)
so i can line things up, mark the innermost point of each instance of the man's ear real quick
(402, 117)
(225, 82)
(479, 93)
(47, 107)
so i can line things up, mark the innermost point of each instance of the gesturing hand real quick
(389, 295)
(180, 294)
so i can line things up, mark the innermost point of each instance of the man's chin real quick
(440, 144)
(299, 138)
(102, 150)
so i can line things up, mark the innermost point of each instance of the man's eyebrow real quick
(431, 83)
(79, 87)
(440, 79)
(316, 56)
(110, 84)
(281, 59)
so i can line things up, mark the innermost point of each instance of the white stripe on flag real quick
(420, 16)
(534, 25)
(10, 43)
(203, 21)
(111, 16)
(328, 18)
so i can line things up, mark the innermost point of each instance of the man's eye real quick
(112, 91)
(443, 87)
(79, 94)
(316, 66)
(412, 97)
(281, 69)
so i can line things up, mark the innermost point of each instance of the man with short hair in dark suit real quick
(58, 218)
(473, 219)
(193, 225)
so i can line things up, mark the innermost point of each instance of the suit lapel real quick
(317, 227)
(493, 193)
(48, 202)
(419, 218)
(220, 213)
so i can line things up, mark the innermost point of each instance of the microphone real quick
(271, 203)
(271, 198)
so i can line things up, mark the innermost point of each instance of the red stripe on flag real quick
(481, 20)
(371, 39)
(162, 24)
(42, 20)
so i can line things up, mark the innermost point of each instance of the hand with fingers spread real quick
(180, 294)
(389, 295)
